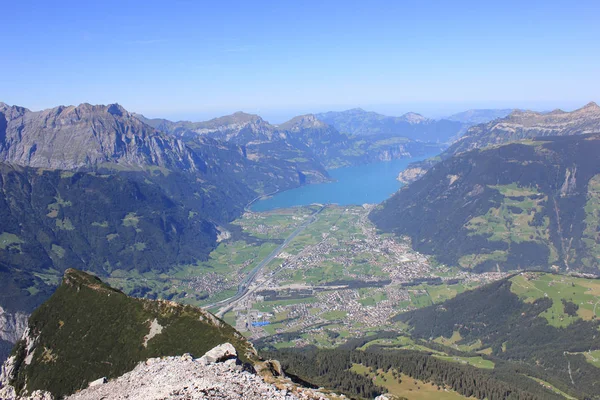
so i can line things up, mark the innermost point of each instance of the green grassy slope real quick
(528, 205)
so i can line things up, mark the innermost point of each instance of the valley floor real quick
(334, 279)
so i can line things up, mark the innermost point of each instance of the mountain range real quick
(307, 139)
(111, 192)
(96, 187)
(411, 125)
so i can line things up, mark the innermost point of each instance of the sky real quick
(199, 59)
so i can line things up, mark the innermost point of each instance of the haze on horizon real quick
(197, 60)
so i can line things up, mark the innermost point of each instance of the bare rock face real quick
(12, 325)
(86, 136)
(411, 174)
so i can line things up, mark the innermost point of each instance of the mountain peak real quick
(413, 118)
(302, 121)
(591, 106)
(77, 279)
(116, 109)
(91, 314)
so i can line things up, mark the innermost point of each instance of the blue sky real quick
(198, 59)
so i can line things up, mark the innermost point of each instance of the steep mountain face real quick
(87, 136)
(12, 326)
(519, 125)
(544, 324)
(71, 339)
(411, 125)
(52, 220)
(527, 205)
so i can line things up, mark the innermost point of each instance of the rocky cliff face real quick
(12, 325)
(87, 136)
(258, 140)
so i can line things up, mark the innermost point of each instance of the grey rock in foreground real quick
(216, 375)
(187, 378)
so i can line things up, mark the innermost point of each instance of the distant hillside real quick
(87, 331)
(527, 205)
(544, 324)
(305, 141)
(411, 125)
(479, 116)
(529, 124)
(518, 125)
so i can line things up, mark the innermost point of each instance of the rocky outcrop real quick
(411, 174)
(208, 377)
(220, 353)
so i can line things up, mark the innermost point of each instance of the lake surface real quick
(369, 183)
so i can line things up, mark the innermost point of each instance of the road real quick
(244, 285)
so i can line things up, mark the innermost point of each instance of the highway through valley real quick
(244, 286)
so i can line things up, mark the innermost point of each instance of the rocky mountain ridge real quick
(518, 125)
(87, 136)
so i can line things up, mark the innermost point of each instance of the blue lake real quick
(369, 183)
